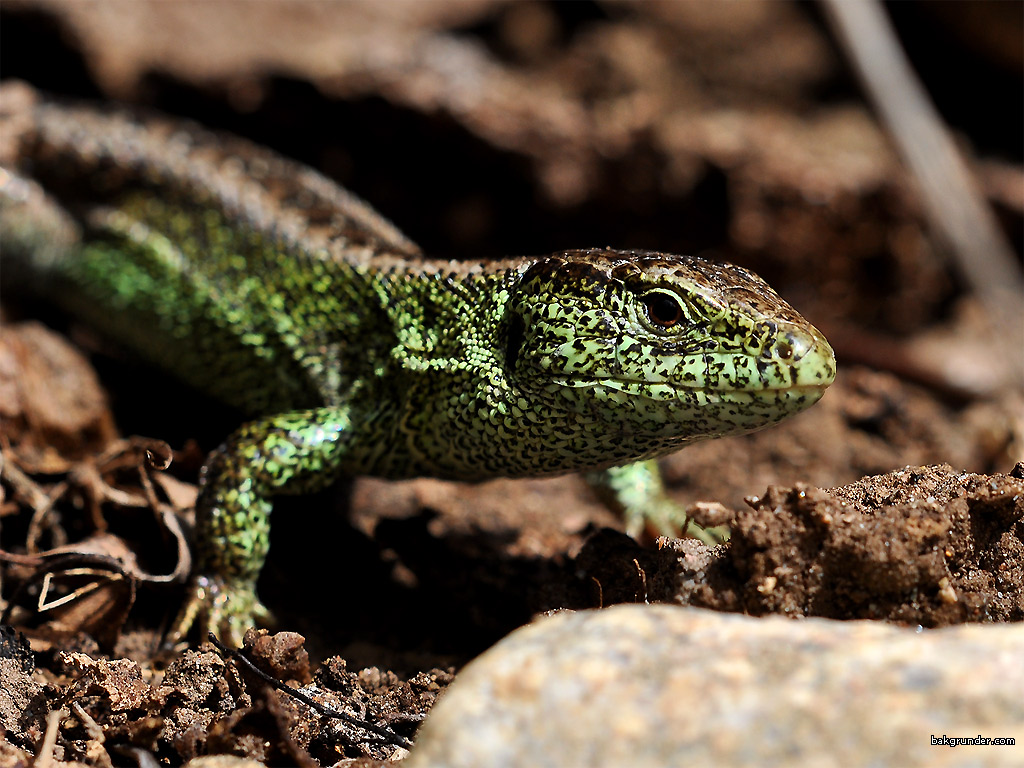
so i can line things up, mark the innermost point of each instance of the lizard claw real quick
(225, 608)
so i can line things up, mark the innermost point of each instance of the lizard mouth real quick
(798, 363)
(662, 390)
(798, 370)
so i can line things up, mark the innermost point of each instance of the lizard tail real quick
(36, 232)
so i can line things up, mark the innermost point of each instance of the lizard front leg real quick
(289, 453)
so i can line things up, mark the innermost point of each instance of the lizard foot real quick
(225, 608)
(674, 520)
(637, 492)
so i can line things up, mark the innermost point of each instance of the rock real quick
(663, 685)
(223, 761)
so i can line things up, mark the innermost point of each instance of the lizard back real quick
(254, 278)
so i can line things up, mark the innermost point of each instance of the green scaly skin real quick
(266, 285)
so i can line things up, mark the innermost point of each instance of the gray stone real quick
(660, 685)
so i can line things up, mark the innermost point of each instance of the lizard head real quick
(660, 350)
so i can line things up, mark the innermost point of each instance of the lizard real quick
(268, 286)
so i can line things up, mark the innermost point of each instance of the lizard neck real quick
(452, 406)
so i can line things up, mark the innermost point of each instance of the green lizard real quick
(263, 283)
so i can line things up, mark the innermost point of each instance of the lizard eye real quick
(662, 309)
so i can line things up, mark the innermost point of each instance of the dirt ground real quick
(482, 129)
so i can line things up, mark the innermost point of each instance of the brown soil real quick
(731, 129)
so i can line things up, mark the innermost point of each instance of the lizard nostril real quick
(793, 345)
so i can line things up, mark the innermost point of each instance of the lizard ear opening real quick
(515, 333)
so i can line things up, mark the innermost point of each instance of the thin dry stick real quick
(44, 758)
(957, 213)
(385, 734)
